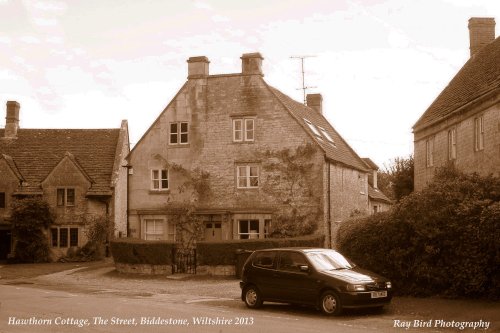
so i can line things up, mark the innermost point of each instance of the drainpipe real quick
(329, 218)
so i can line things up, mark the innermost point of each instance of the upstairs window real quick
(2, 199)
(179, 133)
(479, 133)
(243, 129)
(247, 176)
(452, 144)
(65, 197)
(313, 129)
(159, 179)
(327, 136)
(429, 151)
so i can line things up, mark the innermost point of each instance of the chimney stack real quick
(481, 33)
(12, 119)
(251, 64)
(197, 67)
(315, 101)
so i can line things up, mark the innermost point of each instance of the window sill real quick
(248, 188)
(159, 191)
(179, 145)
(243, 142)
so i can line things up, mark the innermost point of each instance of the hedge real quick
(136, 251)
(224, 252)
(442, 240)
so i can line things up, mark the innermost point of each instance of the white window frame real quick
(246, 132)
(65, 202)
(452, 144)
(429, 151)
(247, 176)
(158, 231)
(178, 134)
(326, 135)
(479, 133)
(313, 128)
(249, 234)
(157, 180)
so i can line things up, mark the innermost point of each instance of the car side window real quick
(264, 259)
(291, 261)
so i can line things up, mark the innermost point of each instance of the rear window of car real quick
(264, 259)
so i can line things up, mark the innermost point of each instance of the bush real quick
(224, 252)
(440, 241)
(135, 251)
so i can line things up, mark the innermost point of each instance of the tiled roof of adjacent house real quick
(479, 76)
(335, 149)
(36, 152)
(377, 195)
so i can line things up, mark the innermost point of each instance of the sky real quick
(378, 64)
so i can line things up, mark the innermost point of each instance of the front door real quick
(213, 231)
(5, 241)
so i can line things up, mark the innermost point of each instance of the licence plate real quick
(379, 294)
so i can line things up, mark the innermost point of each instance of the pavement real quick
(100, 277)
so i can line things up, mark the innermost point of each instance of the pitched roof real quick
(370, 163)
(338, 150)
(377, 195)
(479, 76)
(37, 151)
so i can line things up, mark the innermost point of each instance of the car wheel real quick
(253, 298)
(330, 303)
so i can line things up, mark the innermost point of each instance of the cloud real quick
(43, 22)
(220, 19)
(202, 5)
(49, 6)
(30, 40)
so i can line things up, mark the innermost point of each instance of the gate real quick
(184, 261)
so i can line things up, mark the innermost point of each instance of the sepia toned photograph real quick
(249, 166)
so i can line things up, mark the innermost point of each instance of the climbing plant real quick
(290, 182)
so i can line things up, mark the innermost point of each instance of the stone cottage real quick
(265, 159)
(462, 126)
(79, 172)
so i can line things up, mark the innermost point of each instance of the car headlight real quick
(356, 287)
(388, 285)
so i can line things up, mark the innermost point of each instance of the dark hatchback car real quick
(319, 277)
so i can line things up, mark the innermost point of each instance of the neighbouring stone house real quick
(377, 200)
(462, 126)
(265, 158)
(80, 172)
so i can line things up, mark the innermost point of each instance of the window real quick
(179, 133)
(362, 183)
(429, 151)
(2, 199)
(452, 144)
(291, 261)
(267, 228)
(159, 179)
(243, 129)
(479, 133)
(375, 209)
(65, 196)
(62, 237)
(247, 176)
(313, 129)
(153, 229)
(264, 259)
(248, 229)
(327, 136)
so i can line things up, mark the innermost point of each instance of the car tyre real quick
(252, 297)
(329, 303)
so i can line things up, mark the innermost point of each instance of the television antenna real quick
(304, 87)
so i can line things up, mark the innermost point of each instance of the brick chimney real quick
(197, 67)
(251, 64)
(481, 33)
(12, 119)
(315, 101)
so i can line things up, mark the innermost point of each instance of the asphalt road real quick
(27, 309)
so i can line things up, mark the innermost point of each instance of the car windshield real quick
(329, 260)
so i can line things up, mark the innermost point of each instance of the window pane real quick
(73, 237)
(53, 237)
(164, 184)
(244, 227)
(254, 226)
(184, 127)
(242, 171)
(184, 138)
(237, 130)
(60, 197)
(156, 184)
(63, 237)
(254, 181)
(173, 133)
(173, 138)
(164, 174)
(70, 197)
(237, 124)
(155, 174)
(150, 226)
(173, 128)
(254, 171)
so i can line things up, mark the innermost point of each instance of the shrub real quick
(135, 251)
(30, 219)
(224, 252)
(442, 240)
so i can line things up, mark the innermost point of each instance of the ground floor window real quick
(64, 237)
(158, 229)
(253, 229)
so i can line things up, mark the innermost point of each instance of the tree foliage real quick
(31, 218)
(441, 240)
(396, 180)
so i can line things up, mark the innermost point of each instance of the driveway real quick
(101, 279)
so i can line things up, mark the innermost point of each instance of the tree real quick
(397, 179)
(31, 218)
